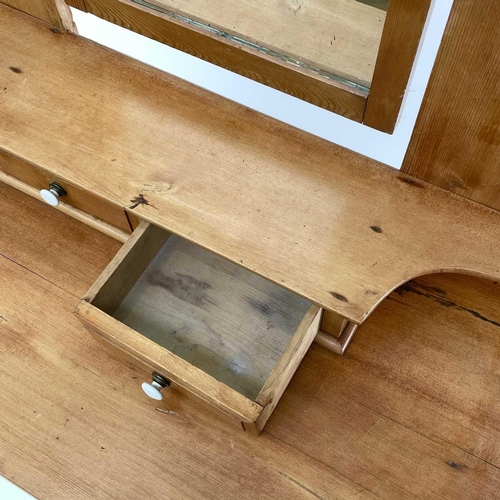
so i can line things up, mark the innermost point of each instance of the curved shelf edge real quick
(328, 224)
(442, 270)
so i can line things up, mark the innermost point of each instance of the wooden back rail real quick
(456, 140)
(333, 226)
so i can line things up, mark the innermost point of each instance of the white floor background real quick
(9, 491)
(389, 149)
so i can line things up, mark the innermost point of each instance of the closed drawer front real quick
(214, 330)
(75, 196)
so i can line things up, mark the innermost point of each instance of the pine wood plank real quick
(289, 361)
(54, 12)
(333, 94)
(400, 39)
(70, 410)
(233, 181)
(82, 200)
(276, 384)
(456, 140)
(49, 242)
(402, 415)
(414, 400)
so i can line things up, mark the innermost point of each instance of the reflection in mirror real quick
(337, 39)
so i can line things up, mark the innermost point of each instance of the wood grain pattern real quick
(54, 12)
(310, 324)
(87, 202)
(231, 180)
(339, 36)
(333, 324)
(78, 4)
(49, 242)
(412, 410)
(64, 208)
(172, 367)
(402, 32)
(126, 267)
(139, 364)
(456, 140)
(346, 40)
(83, 410)
(276, 384)
(409, 412)
(92, 416)
(333, 95)
(226, 321)
(214, 329)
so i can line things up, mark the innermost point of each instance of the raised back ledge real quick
(331, 225)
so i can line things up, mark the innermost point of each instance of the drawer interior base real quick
(221, 318)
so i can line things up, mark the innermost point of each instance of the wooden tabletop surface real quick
(411, 411)
(324, 222)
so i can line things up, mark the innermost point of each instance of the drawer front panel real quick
(149, 355)
(76, 197)
(148, 369)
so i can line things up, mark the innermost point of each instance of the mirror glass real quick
(337, 39)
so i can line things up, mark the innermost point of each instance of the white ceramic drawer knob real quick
(153, 390)
(51, 196)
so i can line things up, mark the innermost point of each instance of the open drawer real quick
(210, 328)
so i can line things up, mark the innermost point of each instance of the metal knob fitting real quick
(51, 196)
(153, 390)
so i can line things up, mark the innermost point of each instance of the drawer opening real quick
(221, 318)
(207, 324)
